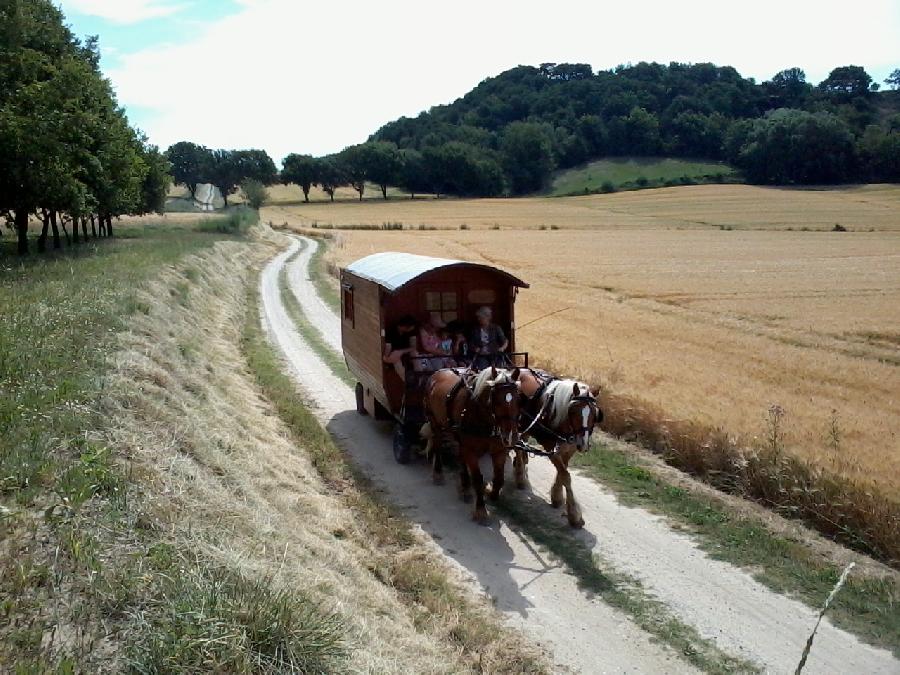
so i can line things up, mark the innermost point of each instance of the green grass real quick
(618, 173)
(322, 279)
(78, 554)
(866, 607)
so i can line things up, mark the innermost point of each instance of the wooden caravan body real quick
(381, 288)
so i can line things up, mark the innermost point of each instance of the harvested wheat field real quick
(710, 325)
(870, 207)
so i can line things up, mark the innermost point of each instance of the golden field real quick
(663, 303)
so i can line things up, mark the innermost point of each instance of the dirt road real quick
(723, 603)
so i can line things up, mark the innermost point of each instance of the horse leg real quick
(520, 468)
(435, 447)
(573, 510)
(556, 492)
(465, 480)
(470, 458)
(498, 459)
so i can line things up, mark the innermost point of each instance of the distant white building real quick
(208, 197)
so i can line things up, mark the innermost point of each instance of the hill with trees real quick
(513, 131)
(67, 152)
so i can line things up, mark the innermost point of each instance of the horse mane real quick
(483, 380)
(562, 392)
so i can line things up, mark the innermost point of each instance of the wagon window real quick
(347, 302)
(482, 296)
(444, 303)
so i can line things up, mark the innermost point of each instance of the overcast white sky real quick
(313, 77)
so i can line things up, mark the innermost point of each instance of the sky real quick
(313, 77)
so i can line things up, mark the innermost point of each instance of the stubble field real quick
(712, 303)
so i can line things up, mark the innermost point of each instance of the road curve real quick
(724, 603)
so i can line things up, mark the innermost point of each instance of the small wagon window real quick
(347, 302)
(444, 303)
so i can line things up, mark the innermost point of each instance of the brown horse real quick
(482, 412)
(447, 393)
(561, 416)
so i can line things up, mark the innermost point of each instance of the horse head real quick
(499, 397)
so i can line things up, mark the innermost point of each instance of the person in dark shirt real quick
(398, 342)
(487, 340)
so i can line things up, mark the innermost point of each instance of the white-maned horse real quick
(561, 416)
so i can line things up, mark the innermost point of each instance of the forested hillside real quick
(530, 120)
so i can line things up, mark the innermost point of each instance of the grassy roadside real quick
(439, 606)
(866, 606)
(89, 580)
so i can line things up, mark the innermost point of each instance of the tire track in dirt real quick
(723, 603)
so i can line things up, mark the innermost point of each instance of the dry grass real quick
(706, 328)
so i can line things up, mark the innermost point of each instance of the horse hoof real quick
(556, 504)
(438, 478)
(576, 524)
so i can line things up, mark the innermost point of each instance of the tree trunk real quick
(56, 242)
(62, 221)
(84, 227)
(384, 191)
(21, 222)
(306, 193)
(93, 226)
(75, 238)
(224, 196)
(101, 226)
(109, 230)
(192, 188)
(42, 239)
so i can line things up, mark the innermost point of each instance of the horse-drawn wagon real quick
(383, 289)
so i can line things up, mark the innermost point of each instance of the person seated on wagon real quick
(398, 342)
(459, 343)
(431, 344)
(487, 340)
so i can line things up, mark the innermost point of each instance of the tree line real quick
(512, 131)
(68, 155)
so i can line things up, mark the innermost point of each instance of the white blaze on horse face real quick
(509, 398)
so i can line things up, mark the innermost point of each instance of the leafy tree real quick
(354, 162)
(383, 164)
(880, 154)
(331, 175)
(847, 82)
(191, 164)
(157, 180)
(636, 134)
(698, 135)
(788, 88)
(302, 170)
(893, 80)
(255, 193)
(414, 176)
(527, 156)
(795, 146)
(461, 169)
(230, 168)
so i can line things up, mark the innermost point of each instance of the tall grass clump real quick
(202, 619)
(765, 472)
(236, 221)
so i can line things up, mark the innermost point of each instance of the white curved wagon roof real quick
(392, 270)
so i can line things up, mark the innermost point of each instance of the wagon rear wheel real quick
(402, 450)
